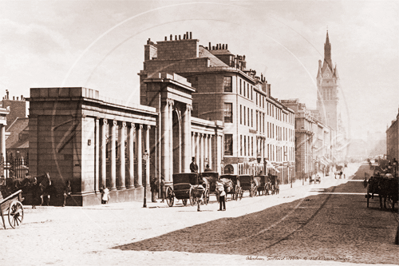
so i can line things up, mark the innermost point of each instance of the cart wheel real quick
(184, 202)
(206, 197)
(15, 214)
(170, 198)
(192, 198)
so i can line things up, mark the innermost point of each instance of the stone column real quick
(113, 154)
(132, 135)
(197, 150)
(202, 155)
(192, 145)
(187, 139)
(147, 163)
(140, 156)
(165, 141)
(96, 155)
(121, 137)
(210, 152)
(103, 153)
(206, 150)
(3, 143)
(171, 171)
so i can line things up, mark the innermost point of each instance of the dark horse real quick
(14, 184)
(43, 188)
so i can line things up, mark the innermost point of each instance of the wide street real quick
(322, 224)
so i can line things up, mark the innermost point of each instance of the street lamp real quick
(145, 158)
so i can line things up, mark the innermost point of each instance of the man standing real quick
(193, 166)
(163, 189)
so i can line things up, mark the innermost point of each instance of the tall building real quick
(327, 86)
(256, 126)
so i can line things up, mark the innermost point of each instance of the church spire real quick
(327, 52)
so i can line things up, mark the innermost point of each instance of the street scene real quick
(192, 132)
(304, 224)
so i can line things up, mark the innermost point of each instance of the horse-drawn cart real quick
(264, 185)
(232, 186)
(12, 207)
(386, 187)
(186, 187)
(249, 183)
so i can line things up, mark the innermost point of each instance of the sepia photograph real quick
(199, 132)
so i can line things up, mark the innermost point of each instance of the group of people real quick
(219, 185)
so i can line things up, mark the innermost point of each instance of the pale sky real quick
(100, 45)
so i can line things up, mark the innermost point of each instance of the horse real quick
(388, 189)
(43, 188)
(14, 184)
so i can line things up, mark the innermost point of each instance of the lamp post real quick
(145, 158)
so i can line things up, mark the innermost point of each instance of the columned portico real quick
(90, 149)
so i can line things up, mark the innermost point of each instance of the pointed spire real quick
(327, 52)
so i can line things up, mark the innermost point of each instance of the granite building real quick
(257, 127)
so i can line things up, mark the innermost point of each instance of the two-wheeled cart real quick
(12, 207)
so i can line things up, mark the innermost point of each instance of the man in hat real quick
(193, 166)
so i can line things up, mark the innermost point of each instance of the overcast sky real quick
(100, 45)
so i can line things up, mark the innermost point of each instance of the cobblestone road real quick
(333, 225)
(295, 227)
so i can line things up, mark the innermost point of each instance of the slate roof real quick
(214, 61)
(20, 124)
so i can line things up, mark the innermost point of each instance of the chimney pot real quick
(187, 35)
(226, 46)
(166, 38)
(13, 98)
(210, 46)
(191, 35)
(22, 97)
(175, 37)
(171, 37)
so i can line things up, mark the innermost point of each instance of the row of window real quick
(273, 152)
(246, 90)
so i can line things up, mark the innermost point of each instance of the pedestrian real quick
(193, 166)
(222, 196)
(207, 169)
(163, 189)
(104, 195)
(67, 192)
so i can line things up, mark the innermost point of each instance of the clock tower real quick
(327, 89)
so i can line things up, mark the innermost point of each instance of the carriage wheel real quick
(206, 197)
(15, 214)
(184, 202)
(192, 198)
(170, 198)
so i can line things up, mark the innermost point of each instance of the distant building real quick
(392, 141)
(314, 141)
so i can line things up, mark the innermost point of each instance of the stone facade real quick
(392, 140)
(225, 90)
(314, 142)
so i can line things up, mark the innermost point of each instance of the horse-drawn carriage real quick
(232, 186)
(385, 186)
(209, 179)
(339, 171)
(265, 186)
(187, 186)
(248, 182)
